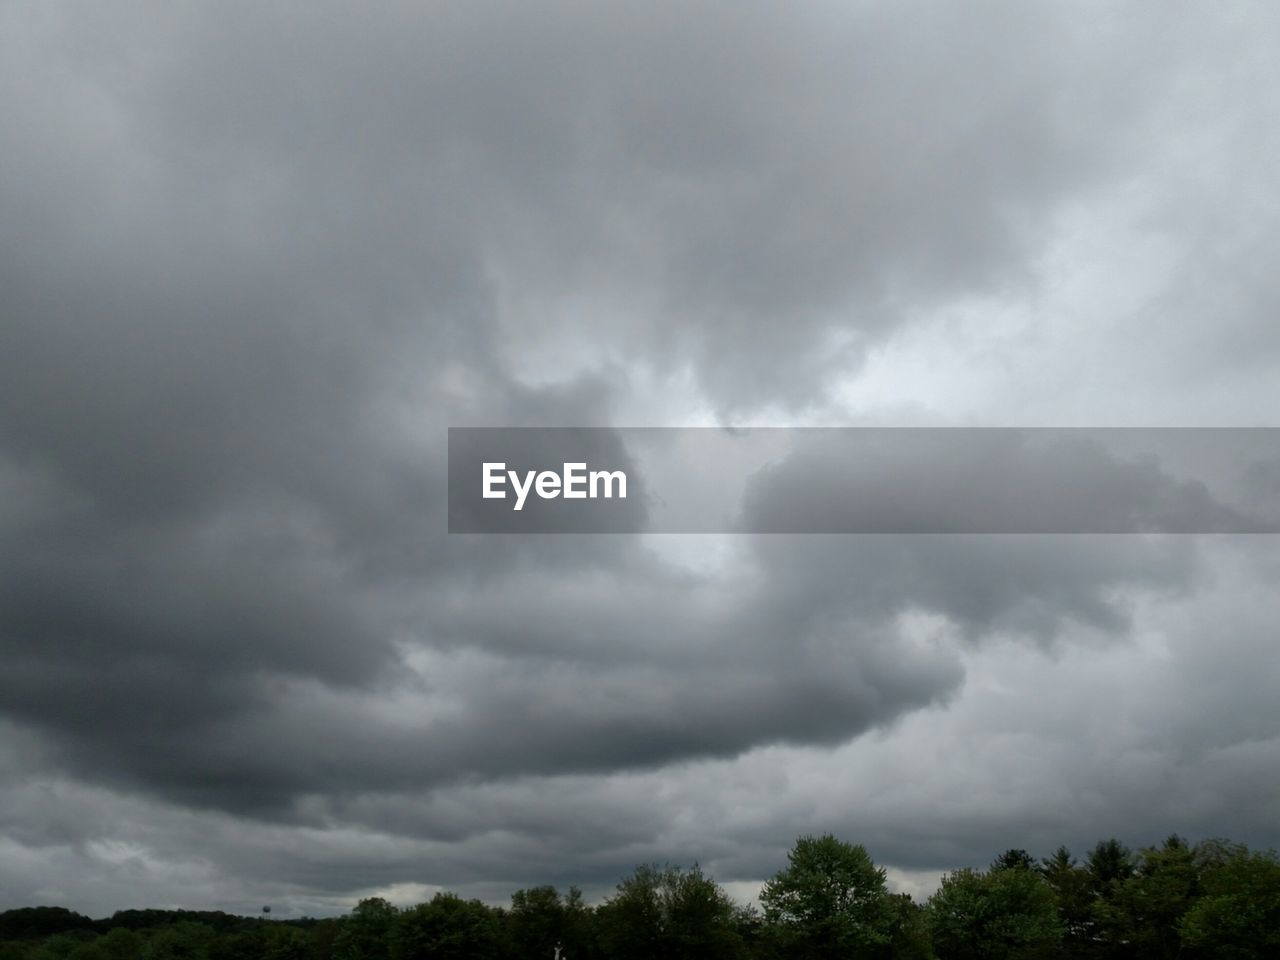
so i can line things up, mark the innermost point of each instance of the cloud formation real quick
(257, 262)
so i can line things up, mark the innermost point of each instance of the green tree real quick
(669, 912)
(89, 950)
(830, 901)
(910, 938)
(752, 931)
(630, 922)
(287, 943)
(234, 945)
(535, 922)
(60, 946)
(26, 923)
(1141, 919)
(179, 941)
(446, 928)
(121, 944)
(1015, 858)
(1073, 891)
(998, 915)
(700, 918)
(1108, 864)
(366, 932)
(1238, 918)
(540, 919)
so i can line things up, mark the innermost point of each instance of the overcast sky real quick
(256, 258)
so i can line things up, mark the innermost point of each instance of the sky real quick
(257, 258)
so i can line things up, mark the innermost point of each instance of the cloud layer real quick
(257, 263)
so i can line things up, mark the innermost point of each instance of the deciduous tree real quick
(830, 901)
(998, 915)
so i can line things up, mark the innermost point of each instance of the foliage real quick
(27, 923)
(669, 912)
(1014, 858)
(1073, 894)
(180, 941)
(287, 943)
(1003, 913)
(367, 933)
(446, 928)
(1109, 864)
(540, 919)
(910, 939)
(1143, 915)
(1213, 901)
(830, 900)
(1238, 918)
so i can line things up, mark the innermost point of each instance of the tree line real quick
(1214, 899)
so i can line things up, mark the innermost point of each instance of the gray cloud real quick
(257, 263)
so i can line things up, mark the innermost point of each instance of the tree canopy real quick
(1213, 900)
(829, 901)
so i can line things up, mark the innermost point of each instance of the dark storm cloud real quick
(256, 278)
(256, 263)
(765, 194)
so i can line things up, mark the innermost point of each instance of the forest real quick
(1212, 899)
